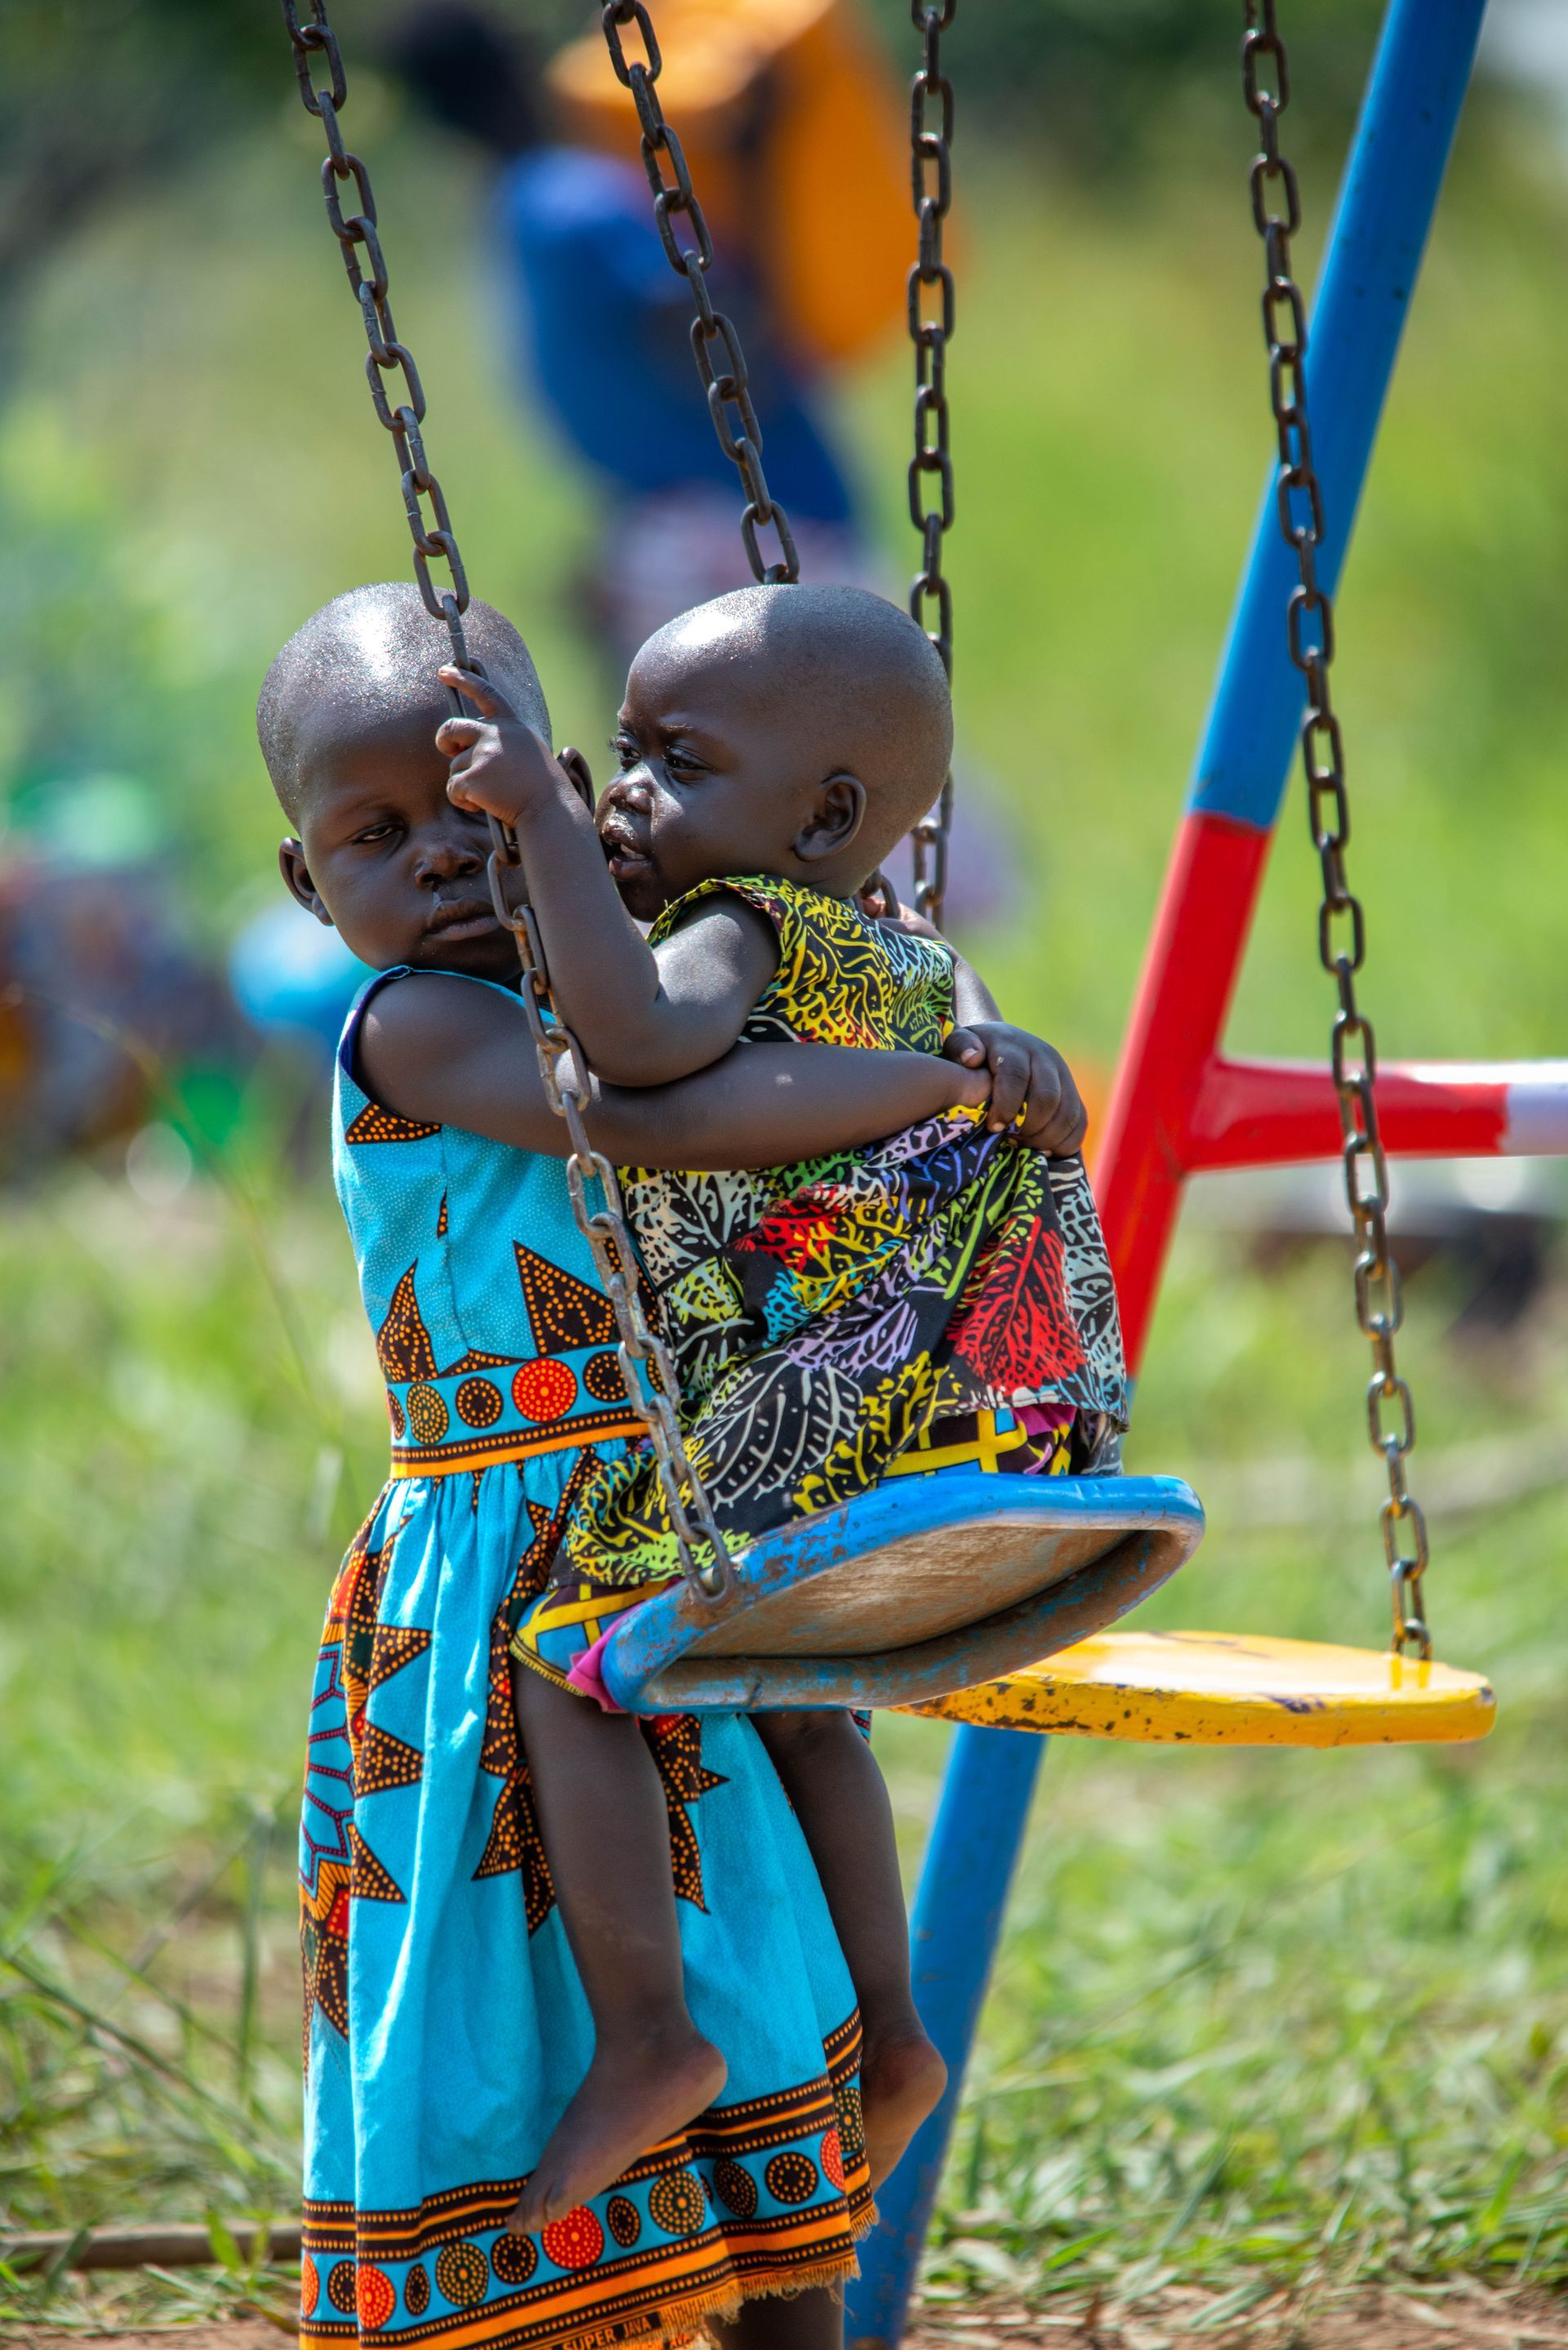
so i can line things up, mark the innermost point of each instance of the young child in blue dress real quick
(833, 1319)
(463, 1953)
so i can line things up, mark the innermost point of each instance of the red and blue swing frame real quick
(1180, 1106)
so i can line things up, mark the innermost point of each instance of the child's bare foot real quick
(901, 2081)
(631, 2098)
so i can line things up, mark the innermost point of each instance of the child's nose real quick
(445, 858)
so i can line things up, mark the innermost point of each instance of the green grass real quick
(1294, 2013)
(1303, 2014)
(1256, 2015)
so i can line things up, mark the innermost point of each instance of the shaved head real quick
(852, 678)
(369, 655)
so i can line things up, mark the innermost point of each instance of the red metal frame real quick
(1181, 1108)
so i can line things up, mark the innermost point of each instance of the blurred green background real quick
(1257, 2014)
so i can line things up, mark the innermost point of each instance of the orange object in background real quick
(794, 131)
(1093, 1080)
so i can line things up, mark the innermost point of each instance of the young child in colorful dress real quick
(457, 1982)
(940, 1296)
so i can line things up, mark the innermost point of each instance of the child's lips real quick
(466, 918)
(623, 855)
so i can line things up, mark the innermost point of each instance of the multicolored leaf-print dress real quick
(829, 1318)
(445, 2025)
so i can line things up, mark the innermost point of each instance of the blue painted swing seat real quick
(907, 1593)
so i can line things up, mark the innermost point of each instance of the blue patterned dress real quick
(445, 2027)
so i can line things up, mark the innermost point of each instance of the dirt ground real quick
(251, 2336)
(1461, 2317)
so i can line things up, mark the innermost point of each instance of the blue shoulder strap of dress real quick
(379, 979)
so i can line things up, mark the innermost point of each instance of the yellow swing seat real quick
(1229, 1689)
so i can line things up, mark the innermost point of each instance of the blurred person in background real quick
(603, 321)
(795, 133)
(109, 1019)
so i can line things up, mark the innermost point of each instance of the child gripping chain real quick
(941, 1297)
(448, 2032)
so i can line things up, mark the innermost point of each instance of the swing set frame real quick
(1180, 1106)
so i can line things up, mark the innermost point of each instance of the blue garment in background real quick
(605, 324)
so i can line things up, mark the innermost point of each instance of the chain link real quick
(674, 200)
(355, 231)
(646, 1367)
(932, 311)
(1342, 924)
(729, 390)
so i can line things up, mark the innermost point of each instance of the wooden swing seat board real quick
(1226, 1689)
(920, 1588)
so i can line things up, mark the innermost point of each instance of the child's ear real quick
(297, 881)
(576, 768)
(836, 818)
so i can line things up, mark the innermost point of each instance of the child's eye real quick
(374, 833)
(626, 750)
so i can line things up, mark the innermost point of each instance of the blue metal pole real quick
(969, 1860)
(1389, 192)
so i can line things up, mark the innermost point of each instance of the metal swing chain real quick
(645, 1364)
(1309, 620)
(931, 165)
(676, 198)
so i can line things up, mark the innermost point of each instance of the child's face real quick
(385, 857)
(716, 778)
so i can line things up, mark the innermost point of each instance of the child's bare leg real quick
(831, 1778)
(801, 2321)
(606, 1831)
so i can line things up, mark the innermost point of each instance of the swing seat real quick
(1224, 1688)
(918, 1588)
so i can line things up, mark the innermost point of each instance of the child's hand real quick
(879, 902)
(499, 763)
(1023, 1071)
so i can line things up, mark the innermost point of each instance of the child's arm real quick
(642, 1020)
(447, 1056)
